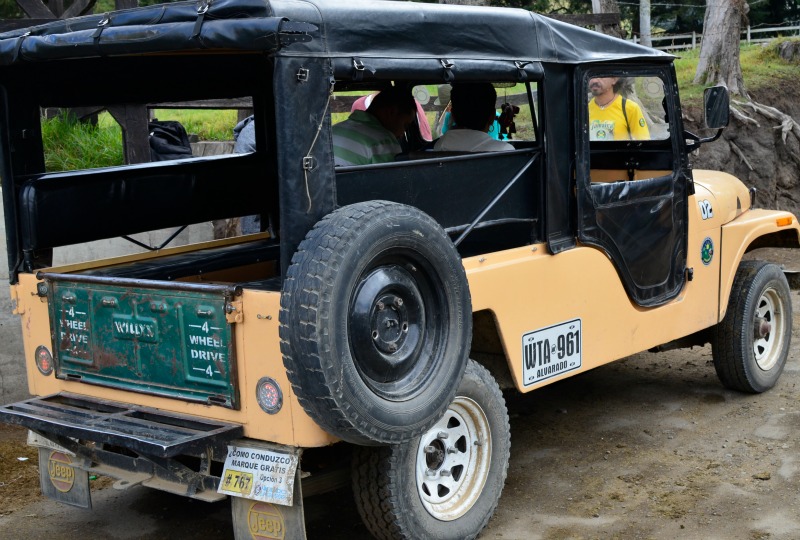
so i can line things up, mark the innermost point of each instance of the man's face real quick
(397, 121)
(600, 85)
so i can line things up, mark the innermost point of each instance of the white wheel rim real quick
(453, 460)
(768, 329)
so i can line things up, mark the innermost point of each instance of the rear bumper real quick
(143, 430)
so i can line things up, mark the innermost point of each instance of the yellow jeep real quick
(379, 308)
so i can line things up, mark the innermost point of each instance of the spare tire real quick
(375, 322)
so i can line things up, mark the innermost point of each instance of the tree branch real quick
(787, 123)
(738, 152)
(739, 115)
(35, 9)
(78, 8)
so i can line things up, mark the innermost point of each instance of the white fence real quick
(674, 42)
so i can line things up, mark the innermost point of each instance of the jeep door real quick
(632, 177)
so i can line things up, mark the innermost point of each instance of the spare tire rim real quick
(768, 329)
(453, 460)
(396, 345)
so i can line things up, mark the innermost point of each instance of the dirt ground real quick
(651, 447)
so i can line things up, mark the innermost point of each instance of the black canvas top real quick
(341, 29)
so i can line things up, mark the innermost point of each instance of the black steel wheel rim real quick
(397, 321)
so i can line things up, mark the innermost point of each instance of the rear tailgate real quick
(171, 339)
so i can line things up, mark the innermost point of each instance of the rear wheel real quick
(751, 343)
(445, 484)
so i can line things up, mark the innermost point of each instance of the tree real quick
(608, 6)
(720, 64)
(719, 51)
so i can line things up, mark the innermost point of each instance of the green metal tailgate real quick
(166, 338)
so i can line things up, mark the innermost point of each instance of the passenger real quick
(473, 112)
(362, 103)
(371, 136)
(244, 136)
(612, 117)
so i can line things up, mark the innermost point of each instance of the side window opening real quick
(174, 131)
(93, 136)
(493, 194)
(514, 119)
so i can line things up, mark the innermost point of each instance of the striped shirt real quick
(361, 139)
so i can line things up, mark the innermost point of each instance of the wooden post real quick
(748, 34)
(694, 39)
(133, 119)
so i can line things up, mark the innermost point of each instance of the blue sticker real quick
(707, 251)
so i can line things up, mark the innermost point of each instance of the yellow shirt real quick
(608, 123)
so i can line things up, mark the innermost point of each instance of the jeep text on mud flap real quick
(381, 304)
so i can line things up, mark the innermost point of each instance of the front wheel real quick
(751, 343)
(445, 484)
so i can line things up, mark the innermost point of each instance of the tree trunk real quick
(644, 23)
(608, 6)
(719, 50)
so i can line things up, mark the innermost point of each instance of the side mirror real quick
(716, 102)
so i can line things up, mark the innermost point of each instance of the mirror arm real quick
(713, 138)
(697, 141)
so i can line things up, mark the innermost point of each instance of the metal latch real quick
(522, 75)
(359, 68)
(302, 75)
(233, 312)
(448, 66)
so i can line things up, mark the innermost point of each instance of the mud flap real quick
(61, 480)
(258, 520)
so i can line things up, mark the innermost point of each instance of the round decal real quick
(265, 521)
(707, 251)
(61, 471)
(421, 94)
(641, 122)
(653, 87)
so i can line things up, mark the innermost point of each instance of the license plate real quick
(552, 351)
(261, 474)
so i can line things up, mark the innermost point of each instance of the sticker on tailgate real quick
(259, 474)
(551, 351)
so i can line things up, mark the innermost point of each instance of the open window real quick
(631, 177)
(493, 197)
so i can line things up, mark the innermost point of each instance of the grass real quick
(208, 125)
(760, 67)
(71, 145)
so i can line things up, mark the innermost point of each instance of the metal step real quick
(143, 430)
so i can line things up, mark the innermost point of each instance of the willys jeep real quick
(379, 309)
